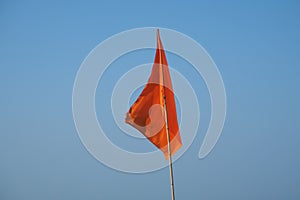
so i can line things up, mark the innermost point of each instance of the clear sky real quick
(255, 45)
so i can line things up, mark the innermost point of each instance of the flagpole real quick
(169, 152)
(166, 120)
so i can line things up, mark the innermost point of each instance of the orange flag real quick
(147, 114)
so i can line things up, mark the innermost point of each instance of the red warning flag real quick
(147, 114)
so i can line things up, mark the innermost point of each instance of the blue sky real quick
(255, 45)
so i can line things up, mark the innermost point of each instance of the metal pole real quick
(166, 119)
(169, 151)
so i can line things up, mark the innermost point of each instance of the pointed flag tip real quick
(159, 43)
(157, 32)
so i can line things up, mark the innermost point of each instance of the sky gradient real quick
(256, 47)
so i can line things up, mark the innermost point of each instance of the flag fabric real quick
(147, 114)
